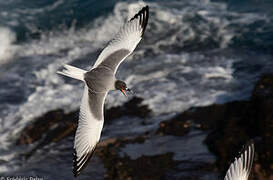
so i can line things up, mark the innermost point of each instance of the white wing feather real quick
(87, 134)
(241, 167)
(127, 38)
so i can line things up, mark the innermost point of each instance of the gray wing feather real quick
(96, 101)
(113, 60)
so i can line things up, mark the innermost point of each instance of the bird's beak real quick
(124, 92)
(129, 90)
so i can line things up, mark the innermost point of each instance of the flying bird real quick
(98, 82)
(241, 167)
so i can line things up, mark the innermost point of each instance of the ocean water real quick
(193, 53)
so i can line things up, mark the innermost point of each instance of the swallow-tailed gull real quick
(241, 167)
(98, 81)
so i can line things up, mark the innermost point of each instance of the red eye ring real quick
(122, 87)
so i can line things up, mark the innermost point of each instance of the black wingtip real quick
(75, 164)
(247, 152)
(77, 168)
(143, 15)
(248, 146)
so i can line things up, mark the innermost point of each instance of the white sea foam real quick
(176, 87)
(7, 48)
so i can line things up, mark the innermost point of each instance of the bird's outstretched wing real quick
(241, 167)
(89, 128)
(124, 42)
(91, 110)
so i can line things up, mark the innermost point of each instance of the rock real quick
(130, 108)
(51, 127)
(229, 132)
(263, 88)
(175, 127)
(56, 125)
(261, 116)
(250, 119)
(144, 167)
(231, 125)
(119, 165)
(204, 118)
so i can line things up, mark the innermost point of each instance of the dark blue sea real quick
(193, 53)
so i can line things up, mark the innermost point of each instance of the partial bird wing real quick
(124, 42)
(241, 167)
(89, 128)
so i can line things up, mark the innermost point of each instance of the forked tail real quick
(72, 72)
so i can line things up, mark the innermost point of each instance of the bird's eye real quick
(122, 87)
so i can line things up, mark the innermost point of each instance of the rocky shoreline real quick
(228, 127)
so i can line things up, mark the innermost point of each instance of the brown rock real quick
(130, 108)
(232, 124)
(52, 126)
(144, 167)
(254, 121)
(174, 127)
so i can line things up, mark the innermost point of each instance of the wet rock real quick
(51, 127)
(56, 125)
(175, 127)
(120, 165)
(204, 118)
(229, 132)
(130, 108)
(247, 120)
(231, 125)
(144, 167)
(261, 116)
(263, 88)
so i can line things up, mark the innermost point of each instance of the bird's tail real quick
(72, 72)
